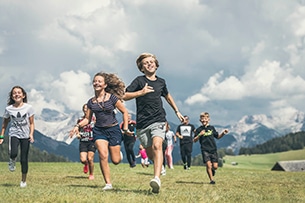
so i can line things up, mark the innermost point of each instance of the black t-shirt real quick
(207, 140)
(187, 131)
(149, 107)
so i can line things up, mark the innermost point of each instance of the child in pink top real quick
(143, 155)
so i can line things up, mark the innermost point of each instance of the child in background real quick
(21, 131)
(144, 157)
(170, 137)
(86, 144)
(206, 134)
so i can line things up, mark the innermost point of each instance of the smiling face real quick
(205, 119)
(17, 95)
(99, 83)
(149, 65)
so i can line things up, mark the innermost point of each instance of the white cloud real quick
(226, 55)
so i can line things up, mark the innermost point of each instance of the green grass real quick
(250, 181)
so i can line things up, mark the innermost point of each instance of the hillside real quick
(263, 161)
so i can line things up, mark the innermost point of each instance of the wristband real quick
(77, 125)
(125, 131)
(1, 136)
(177, 111)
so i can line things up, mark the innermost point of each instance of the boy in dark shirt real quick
(206, 134)
(148, 89)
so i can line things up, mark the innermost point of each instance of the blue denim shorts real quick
(111, 134)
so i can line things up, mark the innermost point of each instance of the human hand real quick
(74, 131)
(180, 117)
(1, 141)
(147, 89)
(31, 139)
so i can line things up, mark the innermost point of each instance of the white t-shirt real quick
(169, 137)
(20, 122)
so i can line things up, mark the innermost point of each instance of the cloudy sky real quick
(230, 58)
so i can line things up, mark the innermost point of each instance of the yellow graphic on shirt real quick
(208, 133)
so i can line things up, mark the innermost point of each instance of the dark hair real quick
(10, 97)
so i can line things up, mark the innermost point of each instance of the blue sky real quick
(230, 58)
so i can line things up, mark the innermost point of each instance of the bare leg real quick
(102, 147)
(155, 153)
(91, 162)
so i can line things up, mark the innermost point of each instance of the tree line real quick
(291, 141)
(35, 154)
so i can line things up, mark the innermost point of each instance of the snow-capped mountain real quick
(56, 125)
(247, 132)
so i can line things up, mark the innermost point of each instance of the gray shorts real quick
(154, 130)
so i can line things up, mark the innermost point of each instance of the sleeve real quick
(134, 86)
(215, 133)
(164, 89)
(6, 114)
(31, 111)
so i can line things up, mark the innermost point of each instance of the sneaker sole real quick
(155, 186)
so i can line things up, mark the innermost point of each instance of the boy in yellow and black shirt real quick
(206, 134)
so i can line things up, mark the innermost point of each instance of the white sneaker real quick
(12, 165)
(155, 184)
(22, 184)
(108, 187)
(163, 171)
(121, 154)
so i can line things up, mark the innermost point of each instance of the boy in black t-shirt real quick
(206, 134)
(148, 89)
(185, 133)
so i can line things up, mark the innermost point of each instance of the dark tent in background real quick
(289, 166)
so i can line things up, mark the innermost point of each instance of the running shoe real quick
(91, 177)
(12, 165)
(22, 184)
(107, 187)
(212, 182)
(86, 168)
(155, 184)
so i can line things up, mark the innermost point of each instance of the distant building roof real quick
(298, 165)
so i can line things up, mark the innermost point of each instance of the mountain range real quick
(52, 129)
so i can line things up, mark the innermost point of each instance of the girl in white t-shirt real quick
(171, 138)
(21, 131)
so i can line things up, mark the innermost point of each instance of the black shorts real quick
(87, 146)
(207, 156)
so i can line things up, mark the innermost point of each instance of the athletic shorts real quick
(147, 134)
(87, 146)
(111, 134)
(206, 156)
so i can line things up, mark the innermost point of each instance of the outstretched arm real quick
(224, 132)
(172, 103)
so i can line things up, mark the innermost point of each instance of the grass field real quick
(250, 181)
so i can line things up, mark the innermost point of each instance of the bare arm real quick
(32, 127)
(224, 132)
(172, 103)
(85, 121)
(121, 107)
(4, 126)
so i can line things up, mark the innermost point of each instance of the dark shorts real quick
(111, 134)
(207, 156)
(87, 146)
